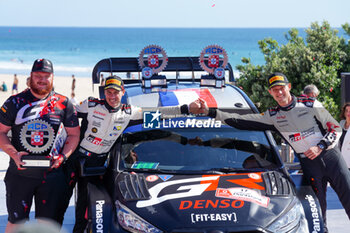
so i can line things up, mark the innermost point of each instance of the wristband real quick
(184, 109)
(321, 146)
(212, 112)
(64, 157)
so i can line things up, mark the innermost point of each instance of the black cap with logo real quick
(114, 82)
(42, 65)
(277, 79)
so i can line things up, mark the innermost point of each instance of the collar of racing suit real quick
(290, 106)
(110, 108)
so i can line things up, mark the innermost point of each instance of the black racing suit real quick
(303, 124)
(101, 127)
(34, 124)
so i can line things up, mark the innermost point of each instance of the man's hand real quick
(199, 106)
(195, 141)
(57, 161)
(17, 157)
(194, 107)
(313, 152)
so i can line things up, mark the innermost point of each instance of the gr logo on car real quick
(183, 191)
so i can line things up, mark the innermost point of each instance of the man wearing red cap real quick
(34, 117)
(309, 129)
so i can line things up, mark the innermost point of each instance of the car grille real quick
(134, 187)
(277, 185)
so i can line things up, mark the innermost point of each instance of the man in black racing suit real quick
(309, 129)
(34, 117)
(103, 122)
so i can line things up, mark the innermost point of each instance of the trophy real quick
(37, 136)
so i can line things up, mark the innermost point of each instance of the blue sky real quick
(173, 13)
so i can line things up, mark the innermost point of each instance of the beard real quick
(40, 91)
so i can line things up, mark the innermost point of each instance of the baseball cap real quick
(114, 82)
(277, 79)
(42, 65)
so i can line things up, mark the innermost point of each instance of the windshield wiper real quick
(233, 169)
(179, 172)
(152, 170)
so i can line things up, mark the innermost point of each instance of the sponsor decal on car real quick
(195, 186)
(244, 195)
(144, 165)
(212, 204)
(249, 182)
(184, 190)
(165, 177)
(99, 216)
(315, 214)
(254, 176)
(214, 217)
(152, 178)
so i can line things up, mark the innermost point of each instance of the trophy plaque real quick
(37, 137)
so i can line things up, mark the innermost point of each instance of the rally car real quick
(190, 173)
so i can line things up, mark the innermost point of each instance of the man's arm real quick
(71, 125)
(8, 148)
(331, 126)
(253, 121)
(333, 131)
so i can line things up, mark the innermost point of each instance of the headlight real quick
(291, 221)
(132, 222)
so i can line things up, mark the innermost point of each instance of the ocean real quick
(77, 50)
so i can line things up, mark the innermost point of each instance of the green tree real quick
(318, 59)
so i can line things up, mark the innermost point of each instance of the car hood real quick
(245, 201)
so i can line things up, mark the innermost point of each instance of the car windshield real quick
(179, 149)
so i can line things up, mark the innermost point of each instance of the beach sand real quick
(62, 85)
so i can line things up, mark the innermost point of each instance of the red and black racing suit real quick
(304, 123)
(34, 124)
(101, 127)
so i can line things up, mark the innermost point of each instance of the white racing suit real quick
(100, 128)
(304, 123)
